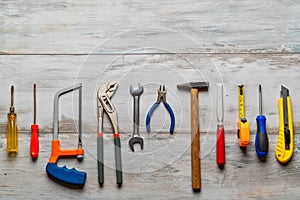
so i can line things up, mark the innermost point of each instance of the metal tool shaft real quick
(260, 100)
(12, 108)
(136, 116)
(34, 103)
(80, 117)
(220, 104)
(135, 138)
(12, 96)
(56, 109)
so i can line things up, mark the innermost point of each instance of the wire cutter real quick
(161, 97)
(105, 92)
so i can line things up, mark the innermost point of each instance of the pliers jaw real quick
(108, 89)
(105, 93)
(161, 94)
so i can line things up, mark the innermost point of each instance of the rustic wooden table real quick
(161, 171)
(61, 42)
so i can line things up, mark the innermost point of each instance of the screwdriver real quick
(261, 139)
(12, 130)
(220, 146)
(34, 142)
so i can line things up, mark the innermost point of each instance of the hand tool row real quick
(76, 179)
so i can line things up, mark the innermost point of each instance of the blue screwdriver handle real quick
(261, 140)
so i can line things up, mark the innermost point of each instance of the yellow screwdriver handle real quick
(12, 133)
(12, 130)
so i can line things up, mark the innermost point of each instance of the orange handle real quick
(34, 142)
(59, 152)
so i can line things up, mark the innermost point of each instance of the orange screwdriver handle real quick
(34, 142)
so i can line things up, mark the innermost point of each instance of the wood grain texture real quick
(51, 73)
(161, 171)
(114, 27)
(57, 43)
(195, 141)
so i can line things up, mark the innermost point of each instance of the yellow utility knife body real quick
(243, 132)
(285, 145)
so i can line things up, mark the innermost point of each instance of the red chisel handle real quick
(34, 142)
(220, 157)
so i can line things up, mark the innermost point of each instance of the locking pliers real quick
(161, 97)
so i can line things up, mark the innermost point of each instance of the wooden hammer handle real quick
(195, 146)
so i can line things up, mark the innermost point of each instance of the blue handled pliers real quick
(161, 97)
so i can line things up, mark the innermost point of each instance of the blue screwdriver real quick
(261, 140)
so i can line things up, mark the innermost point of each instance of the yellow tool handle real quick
(12, 133)
(284, 155)
(243, 132)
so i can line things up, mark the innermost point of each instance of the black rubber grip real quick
(118, 161)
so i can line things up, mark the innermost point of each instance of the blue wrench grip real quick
(148, 117)
(172, 117)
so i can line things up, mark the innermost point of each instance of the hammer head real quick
(201, 86)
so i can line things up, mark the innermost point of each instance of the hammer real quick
(195, 87)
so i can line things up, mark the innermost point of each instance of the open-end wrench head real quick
(136, 140)
(138, 91)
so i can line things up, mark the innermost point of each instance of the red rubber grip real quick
(220, 157)
(34, 142)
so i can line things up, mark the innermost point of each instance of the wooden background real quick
(57, 43)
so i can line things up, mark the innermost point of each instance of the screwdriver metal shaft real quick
(34, 142)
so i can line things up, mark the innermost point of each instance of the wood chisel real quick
(12, 129)
(285, 145)
(34, 142)
(220, 146)
(261, 139)
(243, 132)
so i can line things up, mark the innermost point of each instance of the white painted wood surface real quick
(57, 43)
(65, 26)
(51, 73)
(161, 171)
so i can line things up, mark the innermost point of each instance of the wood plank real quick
(161, 171)
(117, 27)
(51, 73)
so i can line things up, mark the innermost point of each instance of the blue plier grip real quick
(153, 107)
(148, 117)
(172, 117)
